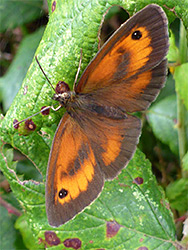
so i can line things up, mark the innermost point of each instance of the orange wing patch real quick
(138, 54)
(77, 181)
(139, 51)
(112, 148)
(122, 61)
(139, 85)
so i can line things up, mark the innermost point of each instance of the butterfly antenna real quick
(45, 108)
(78, 71)
(42, 110)
(44, 74)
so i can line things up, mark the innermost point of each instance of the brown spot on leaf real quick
(141, 239)
(16, 126)
(30, 125)
(62, 87)
(164, 203)
(123, 185)
(5, 185)
(142, 248)
(138, 180)
(46, 111)
(25, 90)
(53, 6)
(51, 238)
(75, 243)
(40, 240)
(112, 228)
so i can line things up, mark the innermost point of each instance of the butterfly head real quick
(63, 94)
(63, 98)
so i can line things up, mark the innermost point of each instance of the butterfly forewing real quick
(136, 93)
(137, 46)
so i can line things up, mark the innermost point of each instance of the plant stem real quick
(181, 127)
(183, 44)
(181, 111)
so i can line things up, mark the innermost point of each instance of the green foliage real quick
(177, 194)
(162, 118)
(140, 213)
(185, 162)
(10, 238)
(25, 12)
(27, 233)
(182, 83)
(11, 82)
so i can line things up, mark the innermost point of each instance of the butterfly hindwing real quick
(89, 148)
(74, 178)
(113, 138)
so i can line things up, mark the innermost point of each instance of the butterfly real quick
(97, 136)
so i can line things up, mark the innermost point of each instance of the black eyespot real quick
(63, 193)
(136, 35)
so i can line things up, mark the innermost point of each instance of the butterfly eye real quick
(63, 193)
(62, 87)
(136, 35)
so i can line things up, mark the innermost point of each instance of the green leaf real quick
(9, 197)
(27, 233)
(162, 118)
(28, 171)
(177, 194)
(181, 82)
(26, 11)
(131, 212)
(24, 190)
(10, 238)
(169, 89)
(10, 83)
(173, 53)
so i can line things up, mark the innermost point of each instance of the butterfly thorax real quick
(64, 98)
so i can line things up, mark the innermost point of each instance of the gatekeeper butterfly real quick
(97, 136)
